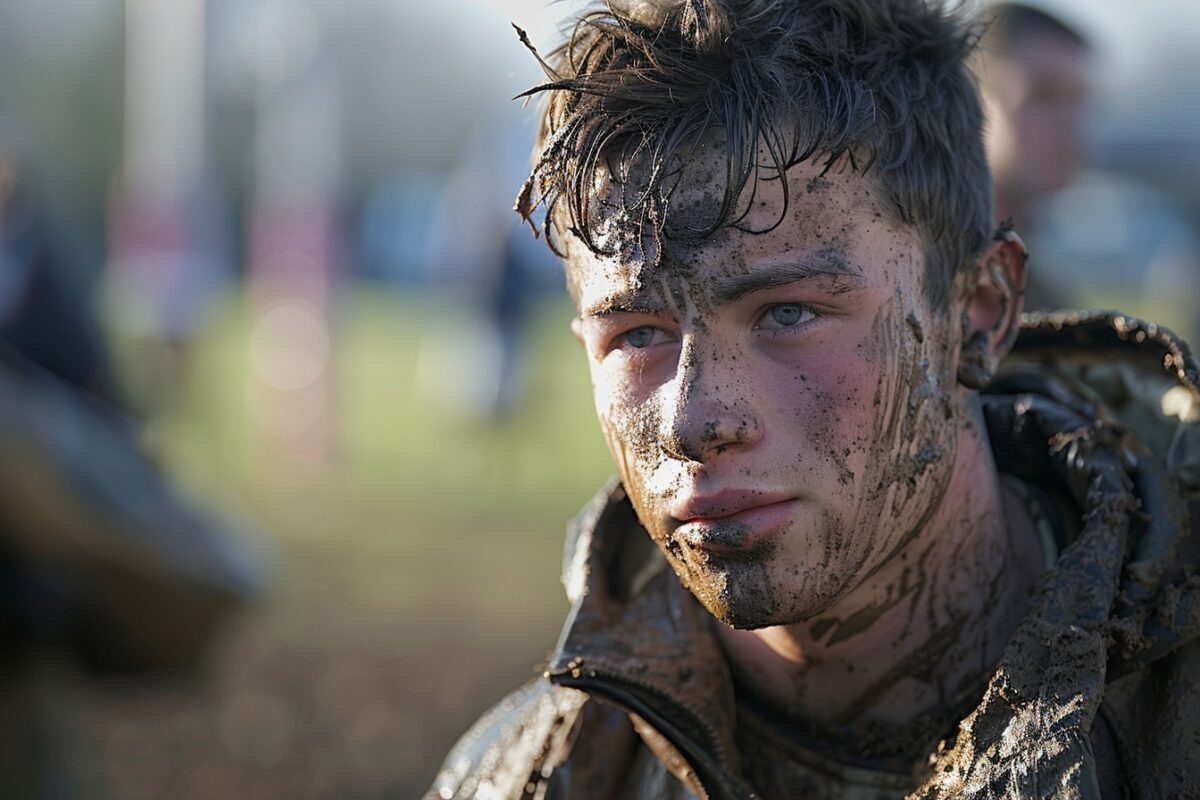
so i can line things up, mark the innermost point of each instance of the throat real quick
(888, 671)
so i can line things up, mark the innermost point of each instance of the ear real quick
(992, 315)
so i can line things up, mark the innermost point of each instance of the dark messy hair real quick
(878, 86)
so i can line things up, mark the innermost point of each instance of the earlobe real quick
(975, 366)
(992, 318)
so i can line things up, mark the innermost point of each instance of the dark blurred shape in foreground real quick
(103, 567)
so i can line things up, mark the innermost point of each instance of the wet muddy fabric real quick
(1096, 695)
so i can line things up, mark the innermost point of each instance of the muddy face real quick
(780, 405)
(1036, 97)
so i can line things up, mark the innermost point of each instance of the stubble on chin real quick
(741, 596)
(737, 591)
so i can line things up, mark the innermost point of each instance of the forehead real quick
(814, 216)
(1050, 57)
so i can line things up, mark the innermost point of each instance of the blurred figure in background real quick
(474, 364)
(102, 565)
(1098, 240)
(1034, 80)
(41, 316)
(1035, 83)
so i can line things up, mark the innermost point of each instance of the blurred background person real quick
(477, 366)
(43, 314)
(1036, 81)
(1098, 238)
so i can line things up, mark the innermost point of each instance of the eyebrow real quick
(830, 263)
(644, 300)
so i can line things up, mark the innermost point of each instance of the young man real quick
(833, 567)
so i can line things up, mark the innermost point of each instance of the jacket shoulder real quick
(525, 734)
(1135, 373)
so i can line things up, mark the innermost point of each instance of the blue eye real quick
(639, 337)
(781, 317)
(786, 315)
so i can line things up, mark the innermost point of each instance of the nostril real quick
(677, 447)
(714, 435)
(701, 420)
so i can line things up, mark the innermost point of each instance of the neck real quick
(896, 658)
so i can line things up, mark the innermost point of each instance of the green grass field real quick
(416, 569)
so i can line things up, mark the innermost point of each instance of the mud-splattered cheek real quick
(631, 426)
(912, 437)
(839, 417)
(842, 418)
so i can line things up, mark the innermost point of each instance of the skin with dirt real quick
(783, 409)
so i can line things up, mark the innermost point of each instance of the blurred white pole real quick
(292, 230)
(164, 99)
(161, 275)
(162, 165)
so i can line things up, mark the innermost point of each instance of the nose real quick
(707, 409)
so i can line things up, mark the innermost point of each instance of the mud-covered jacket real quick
(1097, 693)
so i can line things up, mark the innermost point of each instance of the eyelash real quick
(788, 330)
(620, 341)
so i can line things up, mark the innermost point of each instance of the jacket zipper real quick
(576, 676)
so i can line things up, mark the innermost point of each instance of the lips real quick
(726, 504)
(732, 523)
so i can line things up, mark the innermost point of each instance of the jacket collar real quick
(637, 637)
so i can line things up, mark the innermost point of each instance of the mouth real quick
(734, 529)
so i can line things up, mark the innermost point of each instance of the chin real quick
(747, 599)
(748, 620)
